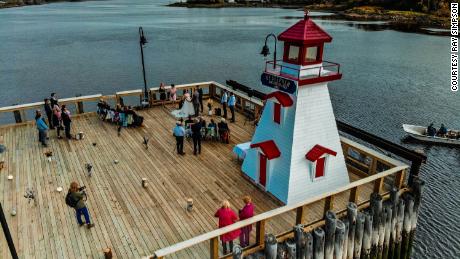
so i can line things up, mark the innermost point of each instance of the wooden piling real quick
(291, 248)
(345, 240)
(358, 241)
(237, 252)
(271, 246)
(352, 213)
(399, 225)
(388, 210)
(417, 192)
(376, 211)
(318, 242)
(394, 201)
(339, 239)
(331, 224)
(299, 241)
(381, 240)
(367, 237)
(407, 226)
(308, 237)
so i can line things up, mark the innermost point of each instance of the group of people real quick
(59, 118)
(198, 129)
(123, 116)
(227, 217)
(229, 101)
(442, 132)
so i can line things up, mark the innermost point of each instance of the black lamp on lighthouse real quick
(142, 42)
(266, 51)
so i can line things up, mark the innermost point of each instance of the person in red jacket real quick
(246, 212)
(227, 217)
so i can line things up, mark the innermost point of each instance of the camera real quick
(81, 188)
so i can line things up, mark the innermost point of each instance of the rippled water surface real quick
(390, 78)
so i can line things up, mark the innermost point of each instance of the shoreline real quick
(408, 21)
(36, 2)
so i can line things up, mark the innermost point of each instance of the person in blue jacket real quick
(42, 128)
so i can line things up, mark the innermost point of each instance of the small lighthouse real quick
(295, 152)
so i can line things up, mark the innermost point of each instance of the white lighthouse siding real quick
(277, 168)
(315, 124)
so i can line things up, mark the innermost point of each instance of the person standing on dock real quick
(227, 217)
(76, 195)
(196, 135)
(246, 212)
(57, 119)
(179, 133)
(196, 102)
(66, 120)
(172, 93)
(200, 97)
(231, 105)
(49, 112)
(223, 101)
(42, 128)
(53, 99)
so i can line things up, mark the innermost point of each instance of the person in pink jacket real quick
(227, 217)
(246, 212)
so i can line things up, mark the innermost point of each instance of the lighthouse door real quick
(262, 169)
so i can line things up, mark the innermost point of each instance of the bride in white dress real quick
(187, 107)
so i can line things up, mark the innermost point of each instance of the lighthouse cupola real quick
(304, 43)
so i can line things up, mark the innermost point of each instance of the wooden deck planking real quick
(129, 219)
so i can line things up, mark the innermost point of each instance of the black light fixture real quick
(266, 51)
(142, 42)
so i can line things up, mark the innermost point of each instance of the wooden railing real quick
(261, 220)
(211, 89)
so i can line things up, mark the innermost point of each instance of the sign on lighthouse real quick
(295, 152)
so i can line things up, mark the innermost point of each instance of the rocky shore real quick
(402, 20)
(19, 3)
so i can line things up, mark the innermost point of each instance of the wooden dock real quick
(134, 222)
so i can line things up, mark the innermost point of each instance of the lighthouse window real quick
(294, 53)
(311, 55)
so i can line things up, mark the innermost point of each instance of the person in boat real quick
(431, 131)
(76, 193)
(227, 217)
(442, 131)
(246, 212)
(41, 127)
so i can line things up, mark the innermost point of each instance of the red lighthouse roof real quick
(305, 32)
(269, 148)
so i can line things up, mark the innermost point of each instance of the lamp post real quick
(142, 42)
(266, 51)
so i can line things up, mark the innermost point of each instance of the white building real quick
(295, 151)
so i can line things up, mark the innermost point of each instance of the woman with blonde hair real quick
(227, 217)
(246, 212)
(75, 200)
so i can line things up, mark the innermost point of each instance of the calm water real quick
(390, 77)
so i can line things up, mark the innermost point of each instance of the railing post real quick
(260, 232)
(299, 215)
(214, 248)
(17, 116)
(79, 106)
(354, 194)
(373, 167)
(378, 185)
(329, 204)
(399, 179)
